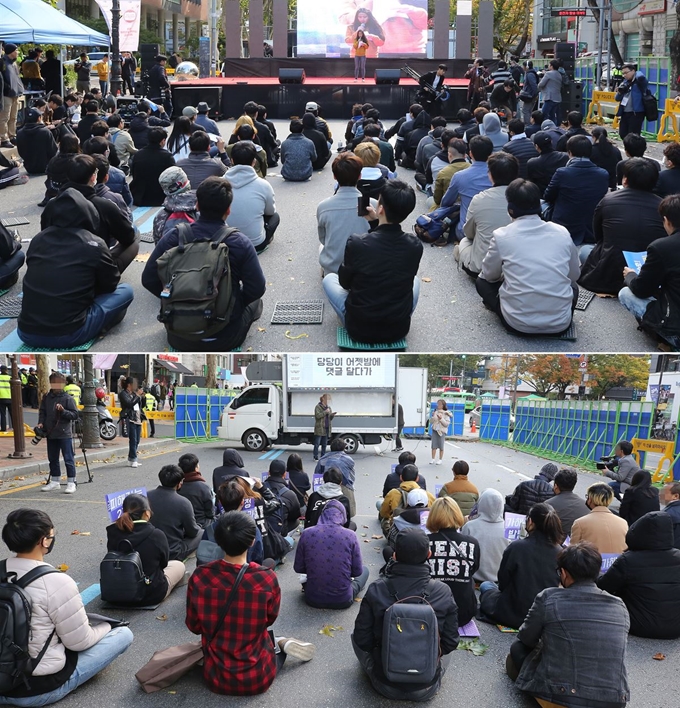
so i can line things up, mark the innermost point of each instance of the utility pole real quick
(116, 75)
(213, 38)
(91, 437)
(17, 415)
(462, 378)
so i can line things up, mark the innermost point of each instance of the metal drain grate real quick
(584, 299)
(15, 221)
(10, 307)
(298, 312)
(147, 237)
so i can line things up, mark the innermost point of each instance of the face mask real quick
(49, 550)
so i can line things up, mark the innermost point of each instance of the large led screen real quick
(392, 28)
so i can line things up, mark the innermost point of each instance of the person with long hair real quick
(640, 498)
(605, 154)
(178, 142)
(441, 419)
(299, 479)
(243, 120)
(528, 566)
(454, 557)
(365, 36)
(134, 526)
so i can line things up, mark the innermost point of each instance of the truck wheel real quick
(351, 443)
(254, 440)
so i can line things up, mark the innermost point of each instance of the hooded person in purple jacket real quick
(330, 557)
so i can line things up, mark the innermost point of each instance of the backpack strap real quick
(183, 230)
(229, 601)
(404, 498)
(33, 575)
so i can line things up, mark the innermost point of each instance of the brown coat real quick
(606, 530)
(462, 491)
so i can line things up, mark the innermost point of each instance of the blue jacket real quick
(466, 184)
(637, 89)
(118, 184)
(207, 123)
(246, 274)
(297, 155)
(575, 191)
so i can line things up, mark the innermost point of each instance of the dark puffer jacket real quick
(647, 578)
(526, 494)
(175, 207)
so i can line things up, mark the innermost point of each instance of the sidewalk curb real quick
(93, 456)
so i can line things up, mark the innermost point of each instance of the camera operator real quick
(55, 422)
(132, 412)
(621, 468)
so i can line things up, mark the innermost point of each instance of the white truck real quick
(277, 408)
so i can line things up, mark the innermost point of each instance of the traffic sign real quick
(568, 12)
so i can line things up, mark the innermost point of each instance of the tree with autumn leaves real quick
(608, 371)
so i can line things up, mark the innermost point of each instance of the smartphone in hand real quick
(364, 203)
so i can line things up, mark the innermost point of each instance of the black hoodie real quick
(67, 267)
(232, 466)
(36, 147)
(421, 127)
(647, 578)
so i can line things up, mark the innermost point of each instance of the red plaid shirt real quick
(240, 660)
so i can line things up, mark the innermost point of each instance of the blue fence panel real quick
(494, 421)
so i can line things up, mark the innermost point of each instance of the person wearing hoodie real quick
(528, 566)
(398, 498)
(532, 491)
(329, 556)
(122, 140)
(554, 131)
(196, 490)
(488, 528)
(461, 490)
(408, 575)
(290, 506)
(671, 497)
(647, 578)
(57, 168)
(640, 498)
(338, 458)
(143, 122)
(491, 127)
(421, 127)
(323, 152)
(330, 489)
(540, 170)
(253, 211)
(179, 205)
(569, 506)
(232, 466)
(59, 312)
(35, 143)
(454, 556)
(298, 154)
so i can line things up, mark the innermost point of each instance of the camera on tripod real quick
(39, 435)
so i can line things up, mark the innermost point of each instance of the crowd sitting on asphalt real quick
(454, 550)
(492, 191)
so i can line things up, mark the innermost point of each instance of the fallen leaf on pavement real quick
(328, 630)
(291, 336)
(659, 656)
(261, 329)
(426, 280)
(474, 646)
(172, 693)
(63, 567)
(19, 479)
(363, 534)
(363, 526)
(375, 536)
(162, 618)
(366, 540)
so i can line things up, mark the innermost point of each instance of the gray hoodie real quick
(253, 200)
(489, 529)
(491, 127)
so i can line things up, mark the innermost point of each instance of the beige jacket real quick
(56, 603)
(122, 141)
(606, 530)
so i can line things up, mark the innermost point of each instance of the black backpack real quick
(410, 639)
(277, 518)
(122, 578)
(16, 664)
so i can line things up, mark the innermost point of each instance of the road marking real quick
(21, 489)
(139, 212)
(90, 593)
(452, 445)
(503, 467)
(519, 474)
(277, 453)
(56, 498)
(266, 455)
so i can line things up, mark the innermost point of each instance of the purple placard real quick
(607, 561)
(469, 630)
(317, 481)
(423, 520)
(249, 507)
(114, 501)
(513, 524)
(394, 467)
(437, 489)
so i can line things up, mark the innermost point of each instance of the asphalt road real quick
(334, 677)
(449, 317)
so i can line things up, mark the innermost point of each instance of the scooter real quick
(107, 428)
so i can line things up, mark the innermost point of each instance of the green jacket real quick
(320, 413)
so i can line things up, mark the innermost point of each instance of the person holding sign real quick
(573, 640)
(441, 419)
(134, 527)
(528, 566)
(606, 531)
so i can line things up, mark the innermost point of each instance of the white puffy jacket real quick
(56, 603)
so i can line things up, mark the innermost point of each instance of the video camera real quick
(607, 462)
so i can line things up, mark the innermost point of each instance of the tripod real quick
(78, 426)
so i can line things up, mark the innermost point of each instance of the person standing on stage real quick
(432, 91)
(159, 86)
(365, 36)
(360, 46)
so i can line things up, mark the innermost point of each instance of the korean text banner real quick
(391, 28)
(323, 371)
(130, 15)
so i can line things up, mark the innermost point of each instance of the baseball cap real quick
(189, 111)
(542, 139)
(174, 180)
(311, 106)
(277, 468)
(417, 497)
(202, 107)
(32, 116)
(412, 546)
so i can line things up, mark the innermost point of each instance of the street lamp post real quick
(462, 377)
(116, 74)
(91, 437)
(17, 415)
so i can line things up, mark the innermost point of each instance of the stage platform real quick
(226, 96)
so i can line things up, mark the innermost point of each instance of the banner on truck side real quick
(341, 371)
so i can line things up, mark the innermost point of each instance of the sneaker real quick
(300, 650)
(51, 486)
(398, 449)
(134, 463)
(438, 462)
(431, 462)
(70, 488)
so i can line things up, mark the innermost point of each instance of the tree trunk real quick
(211, 377)
(674, 50)
(517, 51)
(42, 364)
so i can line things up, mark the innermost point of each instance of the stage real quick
(226, 96)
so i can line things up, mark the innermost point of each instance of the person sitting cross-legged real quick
(242, 655)
(196, 490)
(568, 505)
(529, 273)
(91, 299)
(408, 575)
(198, 166)
(532, 491)
(286, 520)
(329, 555)
(601, 527)
(298, 154)
(376, 289)
(214, 198)
(571, 647)
(148, 165)
(540, 169)
(338, 458)
(253, 210)
(460, 489)
(519, 145)
(398, 498)
(330, 489)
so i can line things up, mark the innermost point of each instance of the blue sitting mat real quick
(346, 342)
(80, 348)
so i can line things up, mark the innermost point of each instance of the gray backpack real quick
(197, 298)
(410, 639)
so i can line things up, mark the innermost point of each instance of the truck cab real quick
(254, 417)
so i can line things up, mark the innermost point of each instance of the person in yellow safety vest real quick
(24, 381)
(5, 399)
(149, 404)
(73, 389)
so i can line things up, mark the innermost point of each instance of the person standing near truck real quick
(323, 417)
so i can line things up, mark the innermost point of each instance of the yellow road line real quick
(21, 489)
(59, 499)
